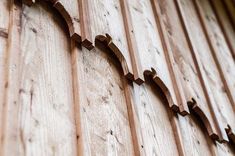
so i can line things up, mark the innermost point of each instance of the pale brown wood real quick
(153, 115)
(174, 73)
(4, 28)
(178, 46)
(219, 49)
(195, 138)
(39, 116)
(102, 15)
(77, 108)
(69, 9)
(104, 116)
(144, 63)
(226, 26)
(149, 43)
(199, 49)
(224, 63)
(87, 40)
(134, 53)
(107, 40)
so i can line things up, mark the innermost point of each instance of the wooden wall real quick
(117, 77)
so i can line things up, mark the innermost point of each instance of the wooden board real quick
(149, 44)
(104, 116)
(224, 62)
(4, 25)
(155, 121)
(114, 77)
(101, 15)
(225, 24)
(208, 72)
(39, 113)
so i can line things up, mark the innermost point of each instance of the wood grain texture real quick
(104, 116)
(208, 73)
(153, 116)
(39, 103)
(149, 43)
(132, 47)
(69, 11)
(174, 71)
(4, 27)
(224, 63)
(101, 17)
(87, 40)
(108, 42)
(114, 77)
(77, 108)
(225, 25)
(195, 138)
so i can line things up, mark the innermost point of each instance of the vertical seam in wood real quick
(215, 57)
(87, 41)
(7, 70)
(177, 135)
(131, 118)
(181, 101)
(132, 47)
(77, 115)
(212, 3)
(201, 77)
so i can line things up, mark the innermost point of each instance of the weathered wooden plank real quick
(149, 43)
(87, 40)
(224, 63)
(4, 16)
(226, 26)
(104, 115)
(69, 9)
(39, 115)
(155, 121)
(173, 69)
(77, 109)
(178, 45)
(101, 16)
(195, 138)
(224, 149)
(206, 68)
(81, 104)
(132, 47)
(4, 25)
(219, 49)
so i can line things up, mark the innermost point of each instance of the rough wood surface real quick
(4, 27)
(70, 11)
(104, 114)
(117, 77)
(39, 114)
(178, 45)
(223, 21)
(149, 44)
(206, 66)
(154, 116)
(101, 17)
